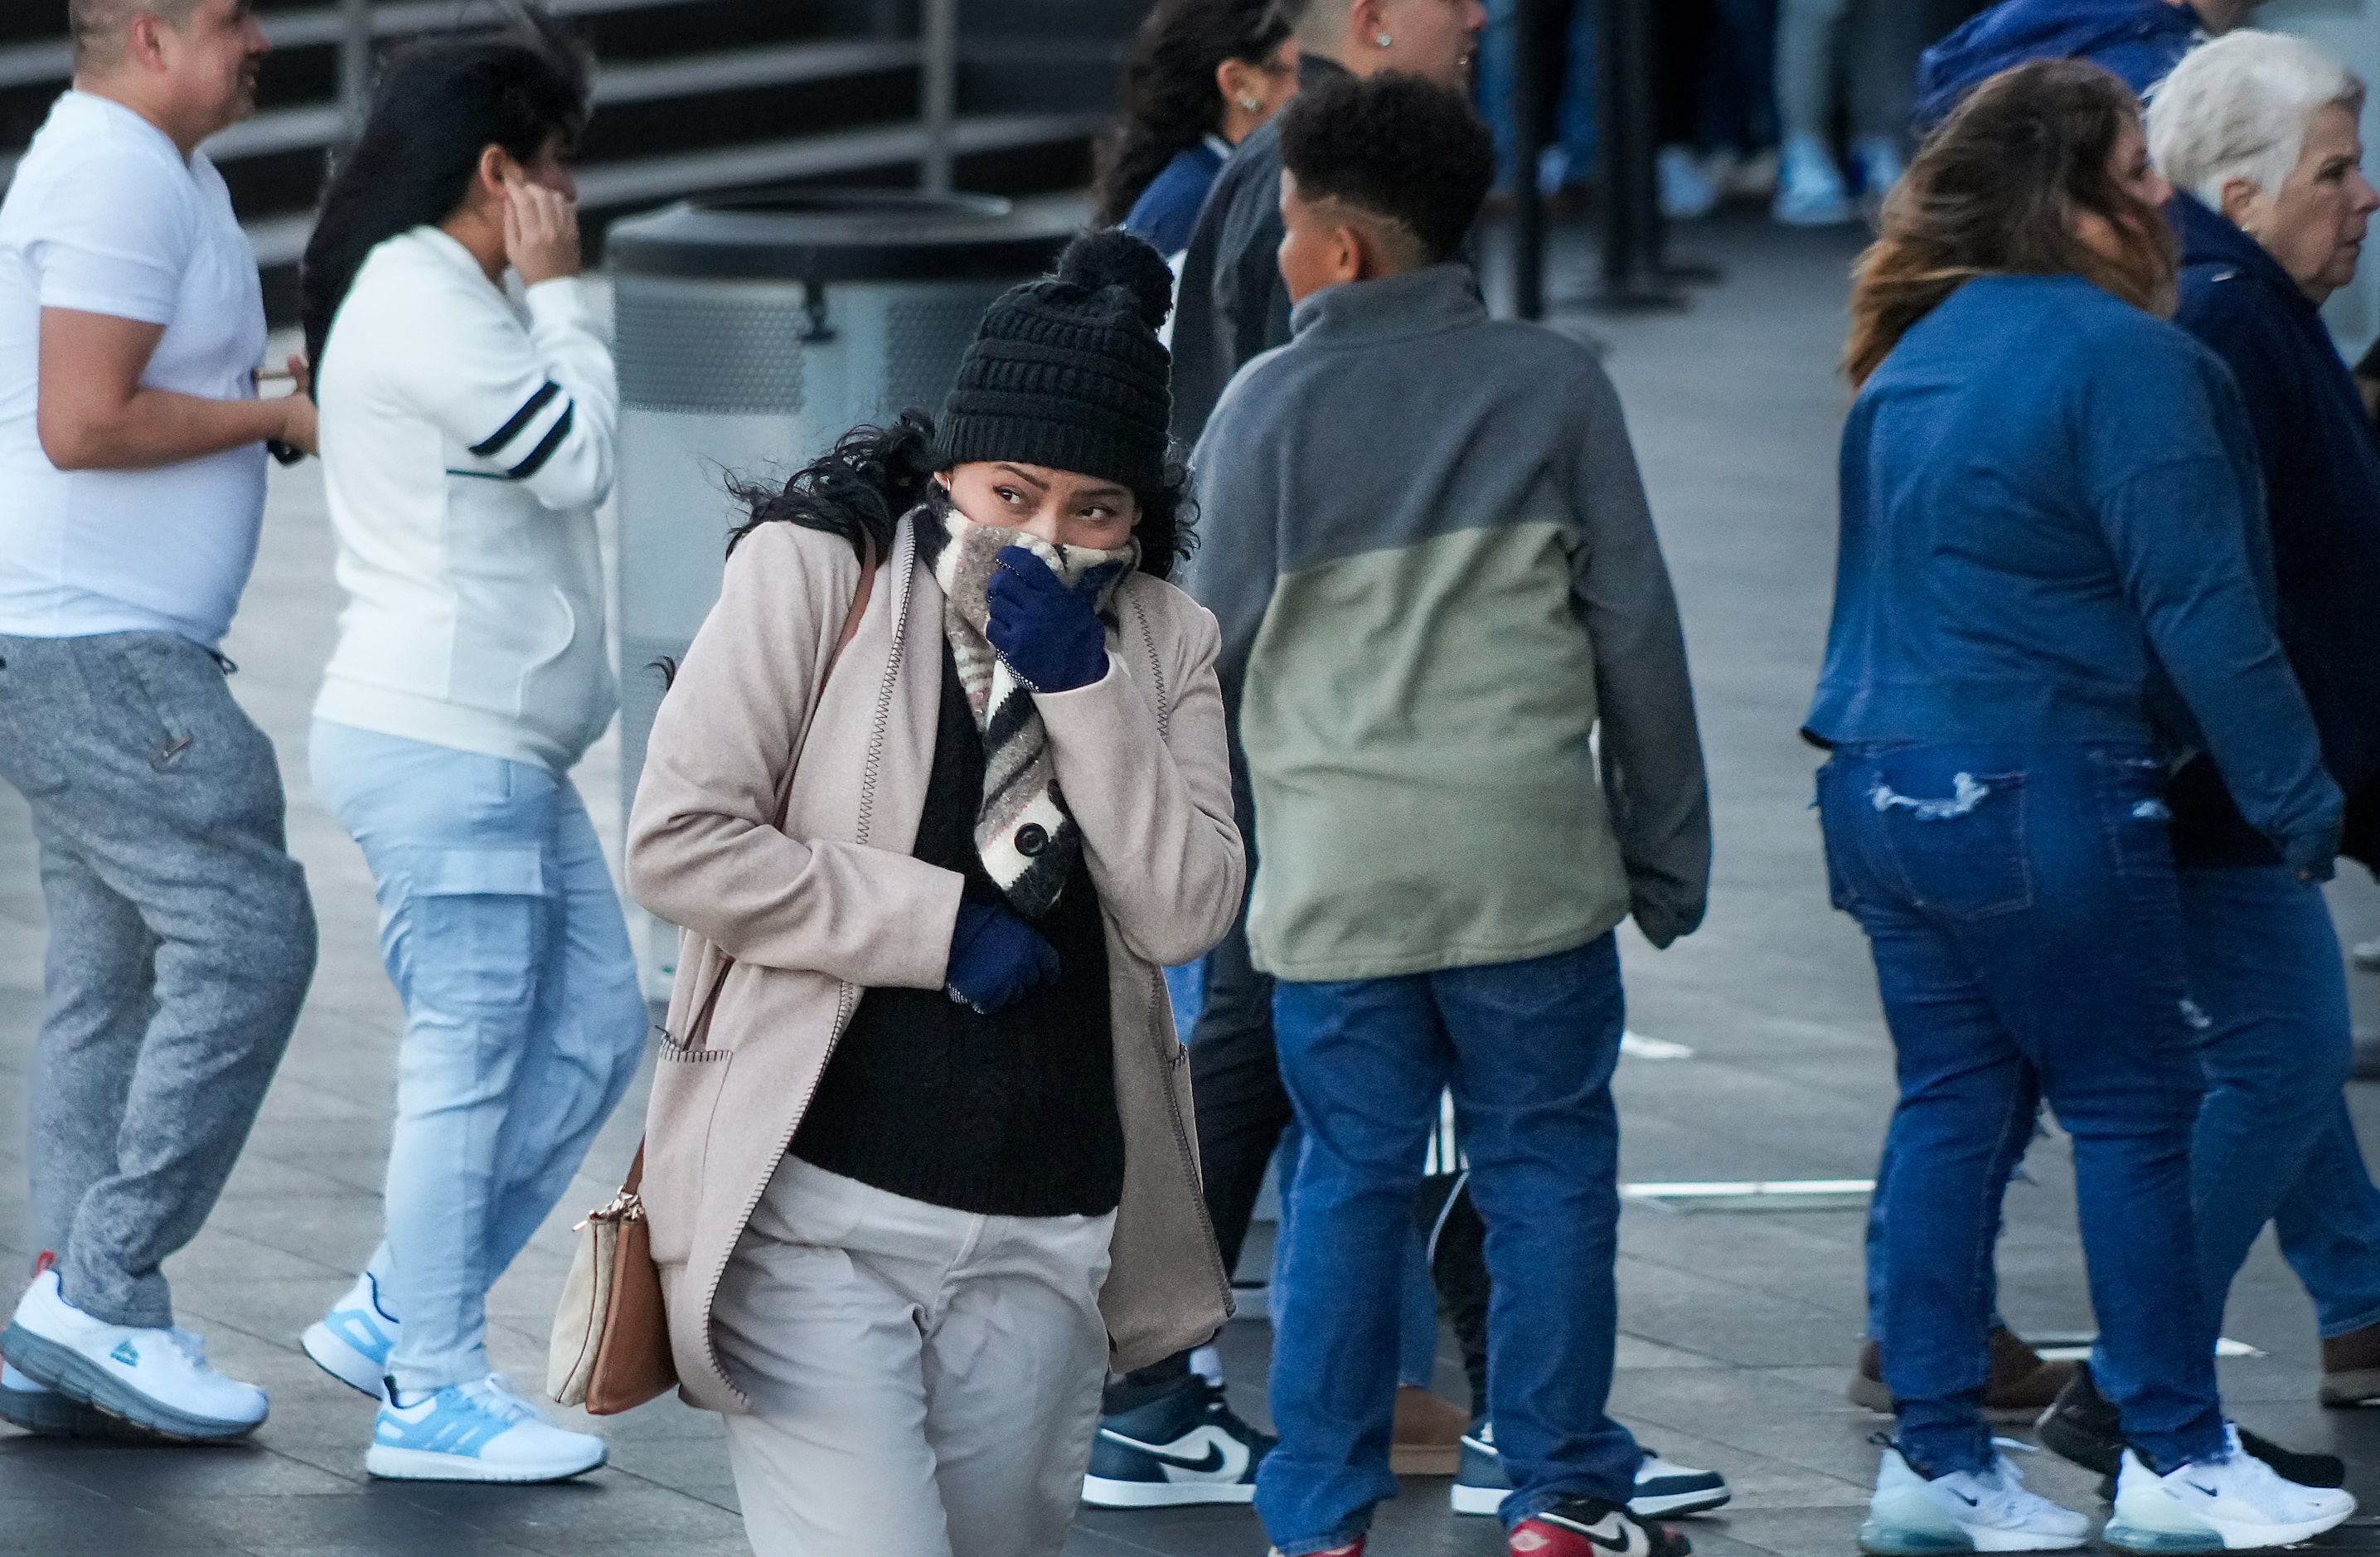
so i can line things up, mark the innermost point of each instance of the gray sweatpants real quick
(181, 944)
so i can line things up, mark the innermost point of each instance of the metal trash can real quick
(751, 333)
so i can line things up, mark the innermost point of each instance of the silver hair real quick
(2239, 107)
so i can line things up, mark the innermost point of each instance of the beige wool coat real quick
(835, 904)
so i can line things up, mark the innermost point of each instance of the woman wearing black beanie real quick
(943, 781)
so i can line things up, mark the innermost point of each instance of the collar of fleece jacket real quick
(1419, 302)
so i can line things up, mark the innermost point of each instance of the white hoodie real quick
(466, 442)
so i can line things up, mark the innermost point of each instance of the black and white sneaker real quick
(1664, 1489)
(1184, 1447)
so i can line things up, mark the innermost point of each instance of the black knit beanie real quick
(1067, 372)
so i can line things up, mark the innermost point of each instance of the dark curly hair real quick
(860, 489)
(1170, 102)
(1395, 147)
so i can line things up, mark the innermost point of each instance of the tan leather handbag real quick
(611, 1347)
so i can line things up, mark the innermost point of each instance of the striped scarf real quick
(1024, 834)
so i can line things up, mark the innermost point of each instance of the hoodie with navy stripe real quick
(466, 439)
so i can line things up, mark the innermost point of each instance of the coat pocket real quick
(687, 1088)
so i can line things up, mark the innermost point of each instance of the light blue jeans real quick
(524, 1021)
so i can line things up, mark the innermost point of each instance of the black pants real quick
(1241, 1109)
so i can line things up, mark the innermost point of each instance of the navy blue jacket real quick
(2052, 533)
(2321, 463)
(2139, 40)
(1167, 211)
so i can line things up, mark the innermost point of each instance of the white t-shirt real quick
(105, 216)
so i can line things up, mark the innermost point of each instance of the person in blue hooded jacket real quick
(2051, 589)
(2140, 40)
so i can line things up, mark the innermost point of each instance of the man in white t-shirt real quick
(132, 461)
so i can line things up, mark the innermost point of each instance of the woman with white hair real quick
(2257, 134)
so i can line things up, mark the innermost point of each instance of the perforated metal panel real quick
(924, 342)
(695, 353)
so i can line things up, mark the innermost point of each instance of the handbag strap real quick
(636, 1178)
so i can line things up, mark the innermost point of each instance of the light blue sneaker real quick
(352, 1342)
(479, 1431)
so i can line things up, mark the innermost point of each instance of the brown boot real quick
(1428, 1438)
(2350, 1368)
(2021, 1387)
(1867, 1381)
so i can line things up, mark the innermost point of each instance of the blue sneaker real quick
(1664, 1489)
(352, 1342)
(479, 1431)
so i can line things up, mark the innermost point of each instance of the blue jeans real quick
(2275, 1142)
(2027, 929)
(1528, 1050)
(1417, 1344)
(523, 1022)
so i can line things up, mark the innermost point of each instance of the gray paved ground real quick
(1737, 1328)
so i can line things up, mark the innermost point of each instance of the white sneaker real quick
(479, 1431)
(1964, 1511)
(1810, 186)
(153, 1378)
(2235, 1503)
(1687, 191)
(1878, 162)
(352, 1342)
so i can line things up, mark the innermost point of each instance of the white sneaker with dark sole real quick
(47, 1414)
(352, 1342)
(155, 1379)
(479, 1431)
(1665, 1490)
(2237, 1503)
(1963, 1511)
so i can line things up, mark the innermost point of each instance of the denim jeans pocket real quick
(1962, 852)
(2133, 808)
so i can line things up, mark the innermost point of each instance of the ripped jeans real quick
(523, 1019)
(2022, 905)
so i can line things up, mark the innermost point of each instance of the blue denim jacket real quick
(2053, 530)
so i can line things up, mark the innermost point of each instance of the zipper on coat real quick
(846, 992)
(1160, 1018)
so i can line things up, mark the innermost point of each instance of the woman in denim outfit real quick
(2052, 585)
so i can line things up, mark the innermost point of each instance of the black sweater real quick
(1011, 1114)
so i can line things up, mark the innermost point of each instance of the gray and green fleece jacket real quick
(1443, 608)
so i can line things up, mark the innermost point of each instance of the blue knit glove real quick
(996, 957)
(1049, 635)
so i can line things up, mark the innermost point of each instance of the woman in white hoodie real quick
(468, 433)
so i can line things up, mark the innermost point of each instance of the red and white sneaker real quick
(1592, 1527)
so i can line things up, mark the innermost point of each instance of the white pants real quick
(924, 1381)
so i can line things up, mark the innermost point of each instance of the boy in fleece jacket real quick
(1461, 686)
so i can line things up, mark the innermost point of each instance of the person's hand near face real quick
(1049, 635)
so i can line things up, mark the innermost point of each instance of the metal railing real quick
(932, 141)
